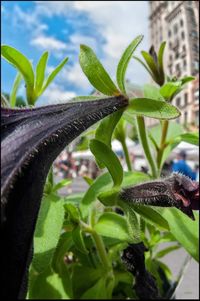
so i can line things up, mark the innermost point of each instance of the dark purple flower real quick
(175, 191)
(31, 139)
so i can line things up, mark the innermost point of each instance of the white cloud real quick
(118, 22)
(75, 75)
(55, 93)
(48, 42)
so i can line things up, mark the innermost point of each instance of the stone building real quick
(177, 22)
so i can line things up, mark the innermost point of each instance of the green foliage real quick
(95, 72)
(35, 84)
(79, 238)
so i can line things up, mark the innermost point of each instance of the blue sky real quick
(60, 27)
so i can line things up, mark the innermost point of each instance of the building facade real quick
(177, 22)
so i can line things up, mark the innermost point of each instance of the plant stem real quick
(125, 149)
(162, 144)
(101, 250)
(145, 145)
(99, 245)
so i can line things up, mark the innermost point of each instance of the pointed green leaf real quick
(113, 225)
(61, 184)
(15, 88)
(23, 65)
(153, 108)
(170, 89)
(185, 230)
(105, 155)
(105, 130)
(19, 61)
(187, 79)
(40, 72)
(73, 212)
(78, 239)
(123, 63)
(152, 92)
(53, 74)
(165, 251)
(150, 62)
(48, 230)
(145, 66)
(192, 138)
(97, 291)
(95, 72)
(160, 57)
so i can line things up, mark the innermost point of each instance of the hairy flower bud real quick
(175, 191)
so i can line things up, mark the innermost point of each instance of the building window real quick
(196, 95)
(182, 35)
(185, 117)
(185, 99)
(184, 48)
(176, 55)
(178, 101)
(181, 22)
(197, 118)
(184, 64)
(194, 34)
(169, 33)
(175, 28)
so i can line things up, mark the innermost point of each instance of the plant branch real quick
(145, 145)
(127, 157)
(162, 147)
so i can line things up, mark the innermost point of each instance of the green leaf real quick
(105, 130)
(187, 79)
(103, 183)
(23, 65)
(64, 244)
(145, 66)
(152, 92)
(48, 285)
(104, 154)
(15, 88)
(185, 230)
(150, 62)
(123, 63)
(48, 230)
(113, 225)
(73, 212)
(78, 239)
(95, 72)
(61, 184)
(81, 283)
(98, 291)
(167, 250)
(152, 216)
(152, 108)
(192, 138)
(170, 89)
(160, 57)
(53, 74)
(88, 180)
(19, 61)
(40, 72)
(133, 223)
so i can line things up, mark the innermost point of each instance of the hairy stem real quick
(145, 145)
(99, 245)
(162, 145)
(127, 157)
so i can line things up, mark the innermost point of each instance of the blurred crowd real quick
(66, 166)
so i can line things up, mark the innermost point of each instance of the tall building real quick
(177, 22)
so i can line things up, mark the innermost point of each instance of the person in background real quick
(181, 166)
(197, 172)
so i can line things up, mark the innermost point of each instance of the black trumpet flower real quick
(31, 139)
(134, 260)
(175, 191)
